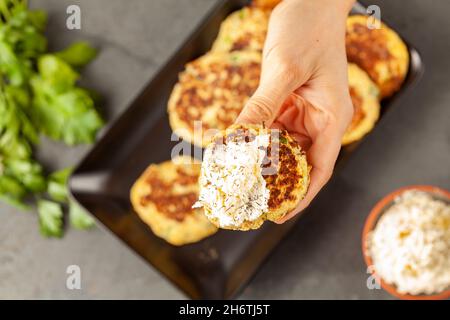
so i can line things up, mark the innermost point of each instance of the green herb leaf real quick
(12, 145)
(50, 218)
(62, 110)
(57, 184)
(78, 54)
(12, 191)
(56, 73)
(15, 69)
(21, 40)
(79, 218)
(27, 171)
(16, 130)
(39, 94)
(38, 18)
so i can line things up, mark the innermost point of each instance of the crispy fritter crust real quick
(211, 92)
(163, 197)
(243, 30)
(365, 95)
(379, 52)
(287, 183)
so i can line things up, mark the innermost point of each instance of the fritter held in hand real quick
(251, 174)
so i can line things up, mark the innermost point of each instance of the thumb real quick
(265, 104)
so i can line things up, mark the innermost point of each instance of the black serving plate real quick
(216, 267)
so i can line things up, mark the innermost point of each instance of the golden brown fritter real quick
(242, 30)
(163, 197)
(365, 95)
(213, 89)
(379, 52)
(285, 171)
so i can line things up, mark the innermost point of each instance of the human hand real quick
(303, 86)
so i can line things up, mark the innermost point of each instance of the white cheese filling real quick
(232, 185)
(410, 245)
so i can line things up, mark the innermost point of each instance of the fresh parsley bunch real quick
(39, 95)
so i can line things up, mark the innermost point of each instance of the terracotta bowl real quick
(372, 220)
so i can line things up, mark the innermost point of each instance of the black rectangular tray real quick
(219, 266)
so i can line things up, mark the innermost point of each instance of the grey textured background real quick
(322, 257)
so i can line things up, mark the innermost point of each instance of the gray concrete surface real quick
(321, 258)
